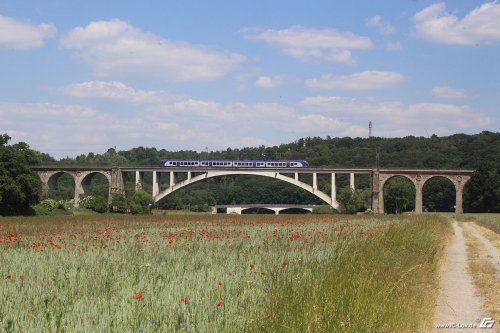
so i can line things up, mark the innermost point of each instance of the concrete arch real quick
(218, 173)
(268, 210)
(83, 179)
(304, 210)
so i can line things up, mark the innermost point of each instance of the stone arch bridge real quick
(166, 181)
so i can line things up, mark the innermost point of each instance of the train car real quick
(233, 164)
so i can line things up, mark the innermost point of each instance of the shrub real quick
(323, 209)
(140, 203)
(97, 203)
(118, 203)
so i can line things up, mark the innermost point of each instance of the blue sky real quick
(81, 76)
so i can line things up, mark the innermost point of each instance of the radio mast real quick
(370, 129)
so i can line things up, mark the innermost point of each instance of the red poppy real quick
(184, 299)
(138, 296)
(8, 276)
(252, 266)
(21, 277)
(218, 304)
(220, 283)
(284, 264)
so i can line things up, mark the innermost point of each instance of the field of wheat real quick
(204, 273)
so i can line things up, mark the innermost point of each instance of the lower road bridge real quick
(239, 209)
(166, 181)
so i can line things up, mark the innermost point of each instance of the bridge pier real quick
(334, 188)
(139, 180)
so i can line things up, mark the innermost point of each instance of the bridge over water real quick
(177, 178)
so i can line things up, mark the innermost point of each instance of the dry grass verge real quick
(484, 275)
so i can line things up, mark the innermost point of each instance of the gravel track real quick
(459, 300)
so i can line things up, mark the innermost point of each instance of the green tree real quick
(140, 203)
(438, 195)
(482, 192)
(118, 203)
(399, 195)
(353, 201)
(96, 203)
(19, 185)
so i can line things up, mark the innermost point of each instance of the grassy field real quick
(222, 273)
(490, 221)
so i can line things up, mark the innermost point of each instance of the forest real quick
(459, 151)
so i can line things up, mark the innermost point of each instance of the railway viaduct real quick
(178, 178)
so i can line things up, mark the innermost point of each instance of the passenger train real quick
(233, 164)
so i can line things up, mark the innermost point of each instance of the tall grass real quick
(384, 283)
(490, 221)
(215, 273)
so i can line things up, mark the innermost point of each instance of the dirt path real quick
(459, 301)
(488, 251)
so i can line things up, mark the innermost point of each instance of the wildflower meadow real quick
(218, 273)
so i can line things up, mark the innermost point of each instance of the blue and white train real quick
(233, 164)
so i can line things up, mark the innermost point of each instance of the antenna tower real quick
(370, 129)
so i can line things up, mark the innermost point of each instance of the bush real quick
(118, 203)
(51, 204)
(323, 209)
(97, 203)
(50, 207)
(140, 203)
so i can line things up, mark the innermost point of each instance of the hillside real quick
(455, 151)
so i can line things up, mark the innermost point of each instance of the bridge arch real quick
(439, 203)
(405, 200)
(218, 173)
(419, 177)
(81, 180)
(261, 210)
(85, 179)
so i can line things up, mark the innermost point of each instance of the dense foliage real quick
(19, 185)
(459, 151)
(456, 151)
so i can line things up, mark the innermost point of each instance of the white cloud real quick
(383, 28)
(309, 44)
(447, 92)
(270, 82)
(396, 118)
(24, 35)
(113, 90)
(72, 129)
(481, 25)
(62, 130)
(393, 46)
(359, 81)
(118, 49)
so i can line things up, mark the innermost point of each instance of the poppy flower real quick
(252, 266)
(138, 296)
(8, 276)
(218, 304)
(220, 283)
(184, 299)
(21, 277)
(284, 264)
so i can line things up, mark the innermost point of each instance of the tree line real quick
(459, 151)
